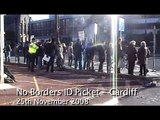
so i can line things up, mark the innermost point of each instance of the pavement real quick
(81, 81)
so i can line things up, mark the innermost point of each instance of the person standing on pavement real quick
(7, 51)
(70, 53)
(119, 53)
(48, 51)
(77, 48)
(32, 54)
(17, 53)
(109, 52)
(101, 54)
(131, 56)
(40, 54)
(25, 51)
(59, 54)
(143, 54)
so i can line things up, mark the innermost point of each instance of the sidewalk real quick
(150, 74)
(73, 78)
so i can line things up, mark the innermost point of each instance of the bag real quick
(45, 58)
(121, 63)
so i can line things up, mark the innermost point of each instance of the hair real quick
(133, 42)
(143, 43)
(33, 39)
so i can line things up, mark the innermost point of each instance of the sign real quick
(121, 25)
(81, 35)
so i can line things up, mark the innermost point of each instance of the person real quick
(25, 51)
(131, 56)
(40, 54)
(32, 54)
(7, 51)
(101, 53)
(77, 49)
(143, 54)
(109, 55)
(70, 54)
(64, 51)
(59, 54)
(49, 48)
(119, 53)
(89, 56)
(16, 53)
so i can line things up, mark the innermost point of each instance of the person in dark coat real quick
(131, 56)
(49, 48)
(26, 56)
(143, 54)
(109, 52)
(40, 54)
(77, 49)
(101, 53)
(89, 54)
(119, 52)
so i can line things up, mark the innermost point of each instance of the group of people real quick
(82, 55)
(134, 56)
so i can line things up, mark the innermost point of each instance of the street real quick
(90, 89)
(74, 87)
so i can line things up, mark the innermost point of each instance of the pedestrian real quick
(40, 54)
(143, 54)
(101, 54)
(25, 51)
(131, 56)
(70, 54)
(77, 49)
(32, 54)
(7, 51)
(109, 55)
(17, 53)
(119, 53)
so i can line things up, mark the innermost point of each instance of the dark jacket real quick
(77, 49)
(101, 53)
(131, 53)
(119, 51)
(40, 51)
(143, 53)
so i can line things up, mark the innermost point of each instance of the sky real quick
(39, 16)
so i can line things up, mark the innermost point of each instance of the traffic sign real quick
(121, 25)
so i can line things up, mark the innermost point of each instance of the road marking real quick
(36, 83)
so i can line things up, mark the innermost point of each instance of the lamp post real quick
(2, 46)
(95, 32)
(57, 27)
(114, 35)
(154, 47)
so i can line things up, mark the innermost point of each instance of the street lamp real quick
(154, 47)
(114, 35)
(95, 32)
(2, 46)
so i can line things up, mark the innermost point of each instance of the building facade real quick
(141, 27)
(71, 26)
(16, 28)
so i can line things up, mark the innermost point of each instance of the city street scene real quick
(79, 60)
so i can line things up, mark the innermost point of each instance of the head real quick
(120, 40)
(33, 40)
(143, 44)
(71, 44)
(133, 42)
